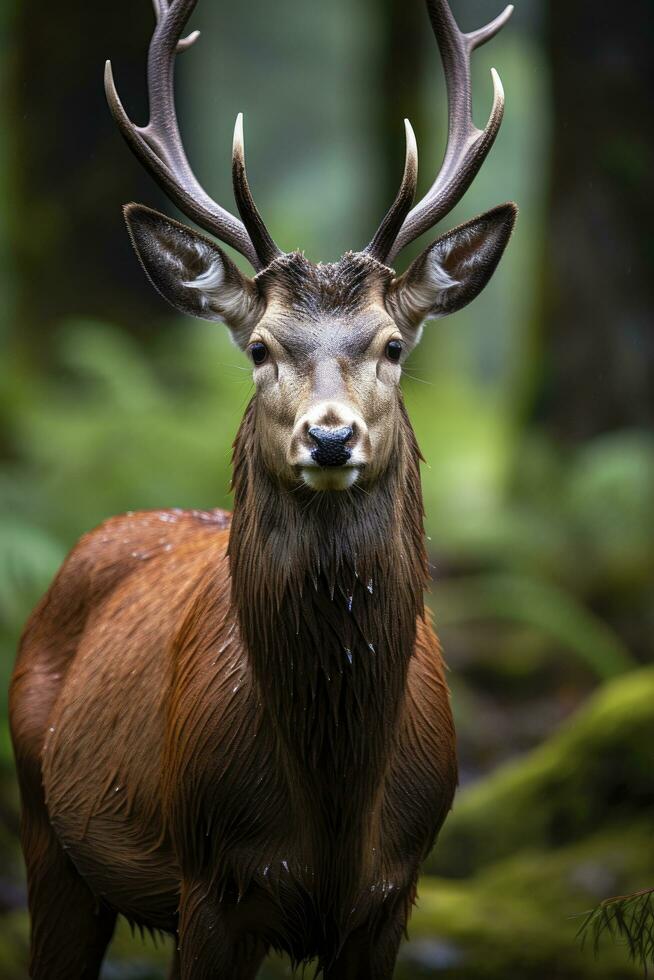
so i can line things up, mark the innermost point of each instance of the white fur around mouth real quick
(330, 478)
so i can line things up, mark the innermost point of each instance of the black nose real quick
(330, 445)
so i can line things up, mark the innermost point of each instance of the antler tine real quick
(259, 234)
(388, 230)
(159, 144)
(467, 146)
(160, 11)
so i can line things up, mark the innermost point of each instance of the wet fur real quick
(243, 734)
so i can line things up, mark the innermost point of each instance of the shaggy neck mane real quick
(328, 588)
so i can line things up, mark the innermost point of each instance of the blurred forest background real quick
(533, 407)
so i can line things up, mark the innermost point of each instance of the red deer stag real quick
(236, 729)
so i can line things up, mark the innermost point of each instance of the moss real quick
(519, 917)
(14, 932)
(597, 771)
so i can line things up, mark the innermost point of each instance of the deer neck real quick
(327, 590)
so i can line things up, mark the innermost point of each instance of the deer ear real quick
(452, 271)
(192, 272)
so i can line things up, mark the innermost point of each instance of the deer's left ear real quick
(452, 271)
(193, 273)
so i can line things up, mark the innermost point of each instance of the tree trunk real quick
(69, 169)
(599, 370)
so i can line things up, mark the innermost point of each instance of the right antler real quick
(467, 146)
(159, 144)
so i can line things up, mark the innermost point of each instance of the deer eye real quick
(394, 350)
(258, 353)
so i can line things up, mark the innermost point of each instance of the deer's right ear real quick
(193, 273)
(452, 271)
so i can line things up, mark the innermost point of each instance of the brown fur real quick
(241, 735)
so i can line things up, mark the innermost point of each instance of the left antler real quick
(467, 146)
(159, 144)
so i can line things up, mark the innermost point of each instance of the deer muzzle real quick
(331, 447)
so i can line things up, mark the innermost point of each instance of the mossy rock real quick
(595, 772)
(519, 918)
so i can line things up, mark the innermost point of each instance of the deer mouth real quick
(330, 478)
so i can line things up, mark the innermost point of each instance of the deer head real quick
(327, 341)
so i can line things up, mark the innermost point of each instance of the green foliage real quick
(594, 772)
(542, 607)
(30, 557)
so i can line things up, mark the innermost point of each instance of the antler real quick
(159, 144)
(467, 146)
(392, 222)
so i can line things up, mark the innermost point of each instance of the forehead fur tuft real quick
(330, 287)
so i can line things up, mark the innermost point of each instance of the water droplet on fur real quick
(285, 865)
(350, 600)
(51, 728)
(348, 654)
(370, 587)
(371, 647)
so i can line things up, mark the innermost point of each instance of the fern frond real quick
(625, 918)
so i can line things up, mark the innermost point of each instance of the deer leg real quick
(211, 946)
(369, 953)
(70, 931)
